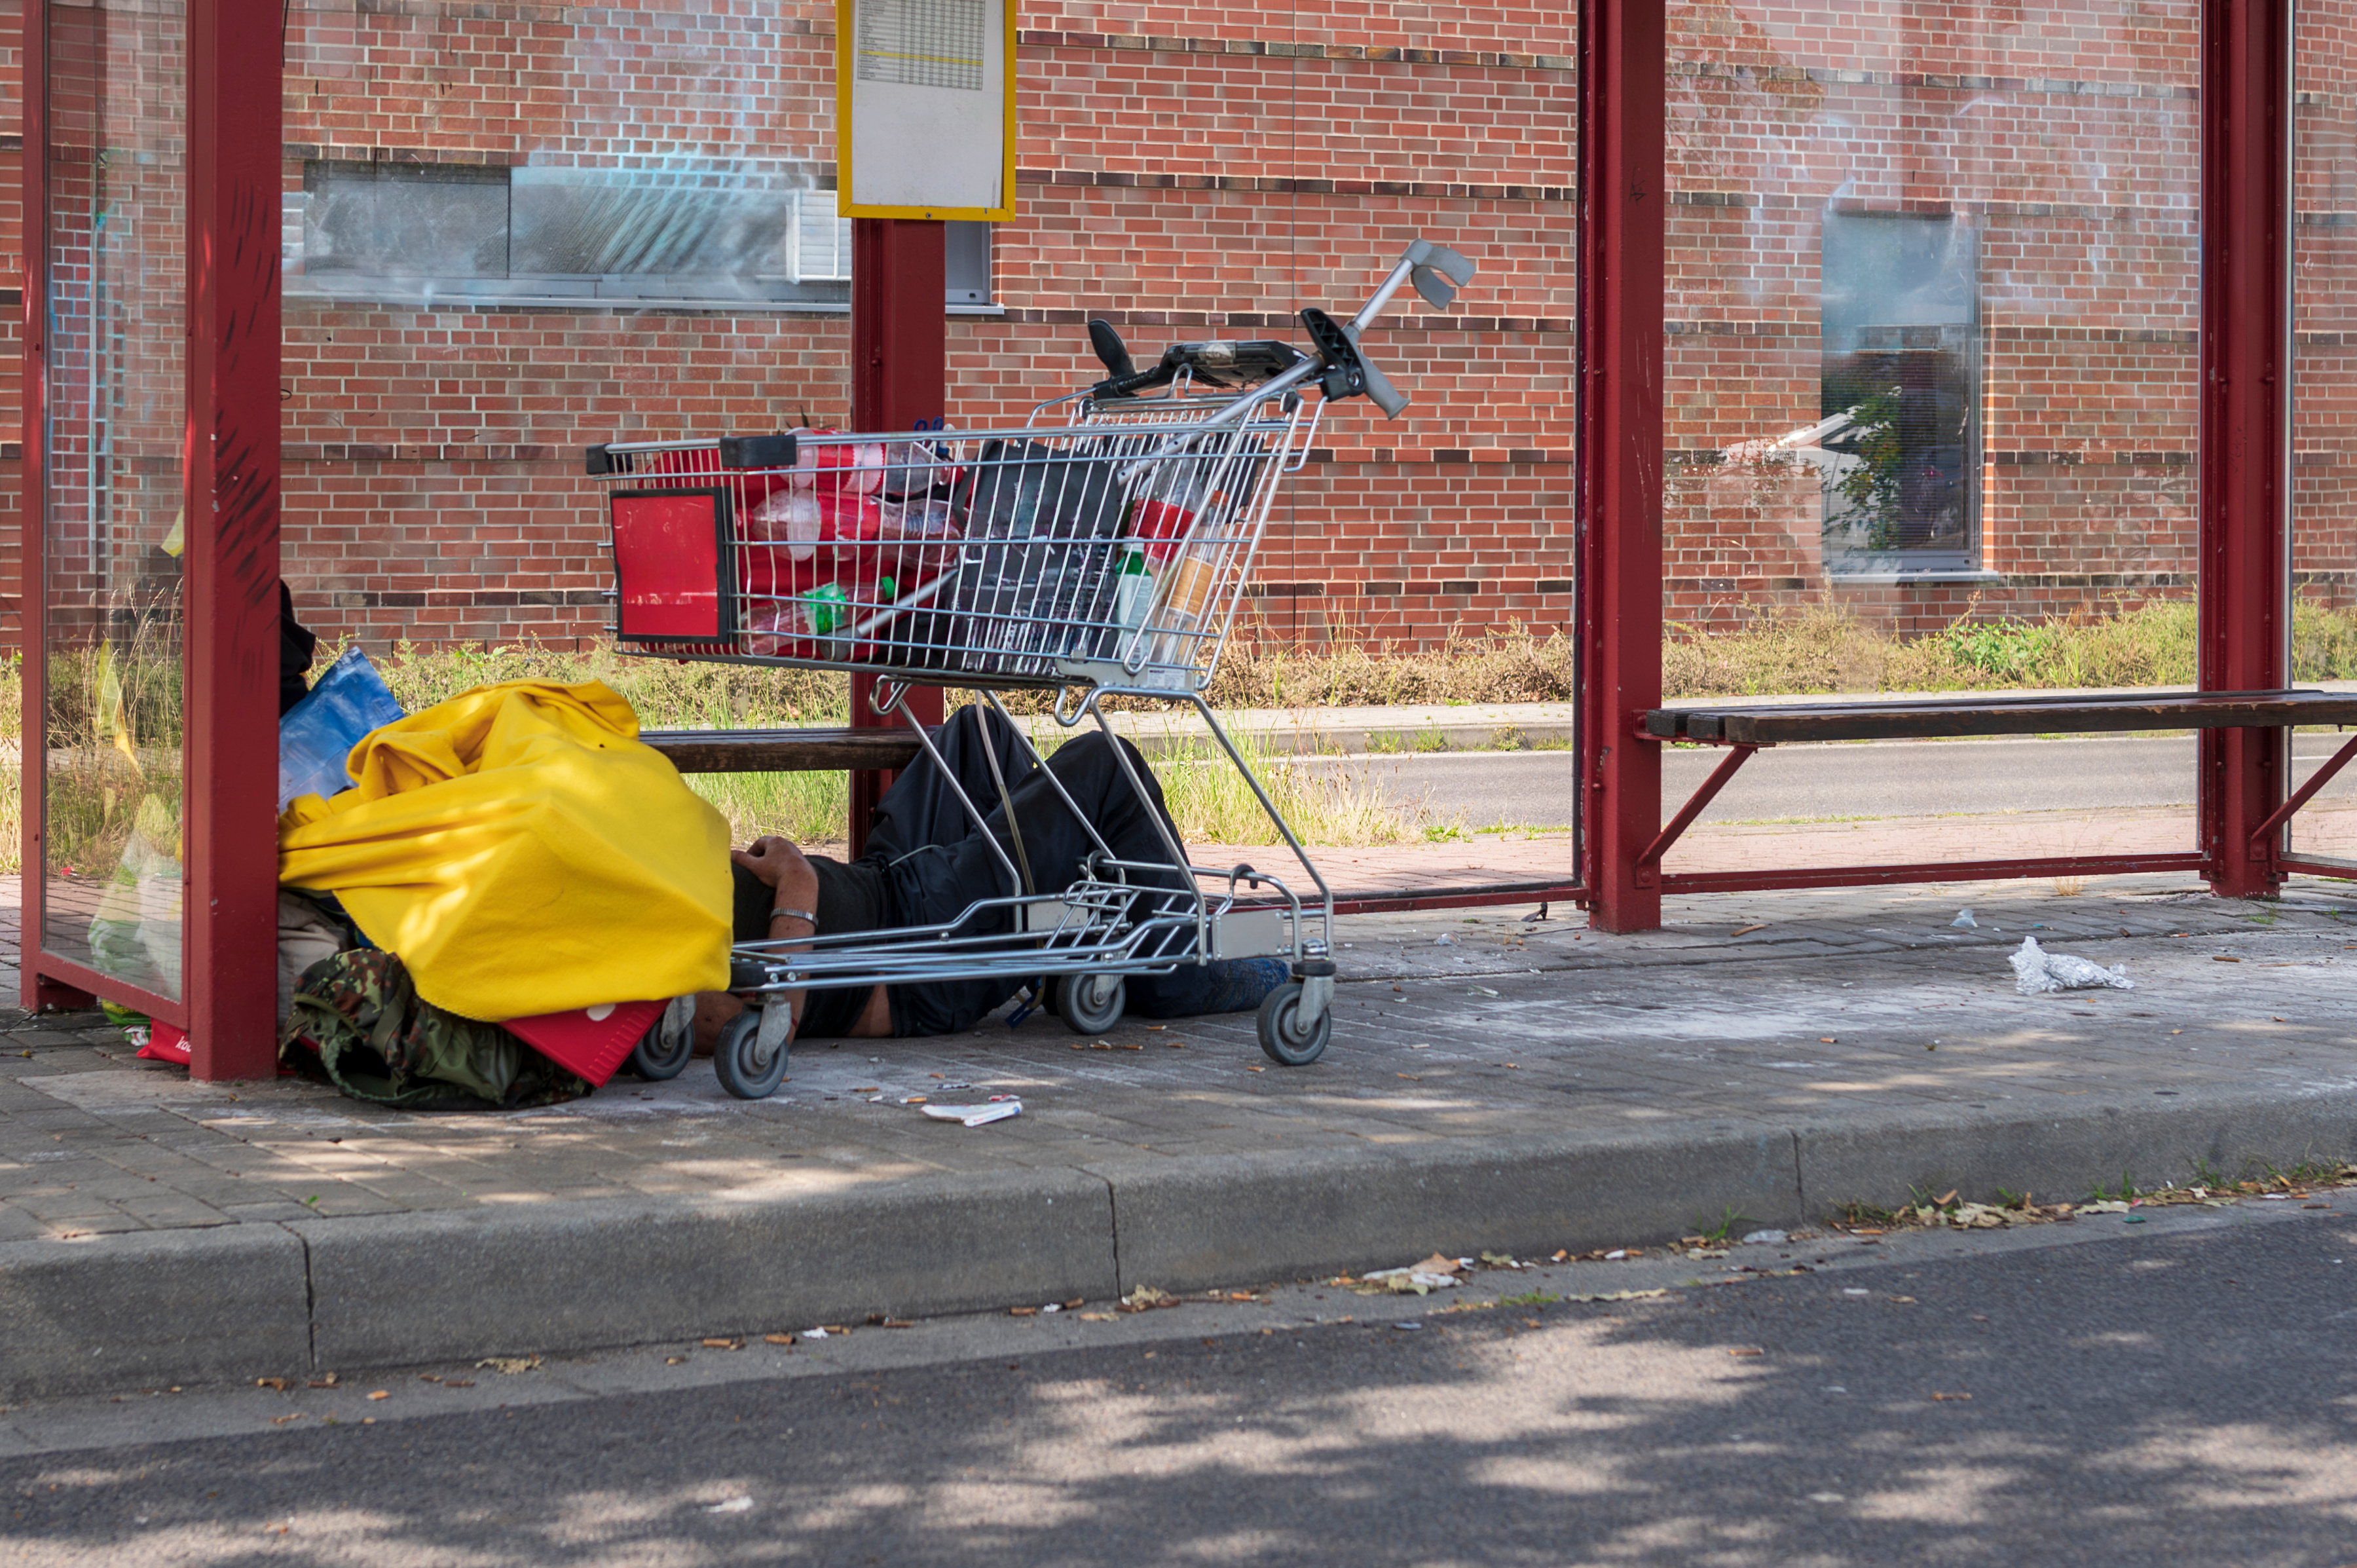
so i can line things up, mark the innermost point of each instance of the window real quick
(692, 235)
(1899, 450)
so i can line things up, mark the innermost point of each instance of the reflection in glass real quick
(1901, 370)
(112, 466)
(1932, 279)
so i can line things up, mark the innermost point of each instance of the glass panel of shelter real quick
(112, 463)
(2324, 408)
(481, 280)
(1930, 395)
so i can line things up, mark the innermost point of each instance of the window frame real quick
(1963, 561)
(970, 288)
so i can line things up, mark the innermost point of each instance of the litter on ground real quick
(998, 1108)
(2036, 972)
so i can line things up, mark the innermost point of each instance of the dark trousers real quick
(936, 862)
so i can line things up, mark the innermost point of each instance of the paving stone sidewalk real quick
(1490, 1076)
(1453, 1025)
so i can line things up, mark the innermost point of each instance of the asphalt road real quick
(2181, 1392)
(1893, 778)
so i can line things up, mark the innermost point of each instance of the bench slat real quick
(782, 751)
(1790, 722)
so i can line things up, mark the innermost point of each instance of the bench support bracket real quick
(2265, 834)
(1649, 864)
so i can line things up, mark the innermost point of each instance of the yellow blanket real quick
(524, 853)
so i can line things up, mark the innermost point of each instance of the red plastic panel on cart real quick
(671, 565)
(591, 1041)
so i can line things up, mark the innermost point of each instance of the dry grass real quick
(1823, 648)
(1325, 803)
(666, 694)
(1827, 647)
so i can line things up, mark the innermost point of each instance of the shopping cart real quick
(1101, 550)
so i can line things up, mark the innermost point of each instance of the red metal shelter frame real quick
(2244, 474)
(229, 1005)
(234, 63)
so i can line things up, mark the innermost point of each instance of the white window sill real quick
(587, 304)
(1929, 575)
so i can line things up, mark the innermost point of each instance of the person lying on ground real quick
(926, 864)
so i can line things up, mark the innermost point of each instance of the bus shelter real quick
(158, 173)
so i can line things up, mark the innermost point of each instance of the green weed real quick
(1730, 1221)
(2127, 1191)
(1855, 1213)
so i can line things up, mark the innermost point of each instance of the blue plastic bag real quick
(320, 732)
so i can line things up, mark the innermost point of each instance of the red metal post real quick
(2246, 474)
(899, 375)
(1622, 200)
(232, 724)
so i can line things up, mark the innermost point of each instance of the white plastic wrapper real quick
(2036, 972)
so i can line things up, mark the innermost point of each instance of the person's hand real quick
(791, 879)
(770, 859)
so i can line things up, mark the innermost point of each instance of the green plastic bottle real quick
(1133, 588)
(825, 607)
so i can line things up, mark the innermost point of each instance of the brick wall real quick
(432, 485)
(1202, 171)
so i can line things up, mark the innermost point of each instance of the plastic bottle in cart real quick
(1133, 601)
(828, 615)
(825, 610)
(1133, 588)
(1185, 591)
(1165, 521)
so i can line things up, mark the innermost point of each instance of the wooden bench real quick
(784, 750)
(1747, 728)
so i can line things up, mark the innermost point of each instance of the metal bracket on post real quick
(1649, 864)
(2263, 838)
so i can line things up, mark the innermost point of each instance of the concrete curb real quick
(152, 1308)
(120, 1312)
(426, 1287)
(1250, 1218)
(1883, 1156)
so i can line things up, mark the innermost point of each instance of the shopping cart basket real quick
(1101, 549)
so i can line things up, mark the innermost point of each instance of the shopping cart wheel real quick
(1287, 1041)
(663, 1051)
(1089, 1003)
(744, 1068)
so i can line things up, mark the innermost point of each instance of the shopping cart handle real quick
(1154, 375)
(739, 453)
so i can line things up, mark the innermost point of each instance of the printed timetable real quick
(922, 43)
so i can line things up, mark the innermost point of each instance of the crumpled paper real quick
(2036, 972)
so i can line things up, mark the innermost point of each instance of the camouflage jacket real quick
(359, 1022)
